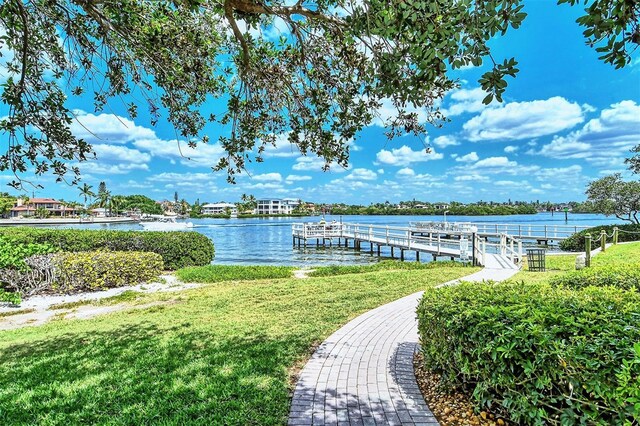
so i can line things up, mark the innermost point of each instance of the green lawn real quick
(627, 253)
(220, 354)
(621, 254)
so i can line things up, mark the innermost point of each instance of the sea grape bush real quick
(178, 249)
(628, 232)
(98, 270)
(537, 353)
(67, 273)
(13, 253)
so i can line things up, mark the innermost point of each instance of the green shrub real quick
(629, 232)
(218, 273)
(178, 249)
(385, 265)
(97, 270)
(13, 253)
(9, 297)
(621, 276)
(537, 353)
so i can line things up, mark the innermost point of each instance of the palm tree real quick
(104, 197)
(114, 204)
(86, 193)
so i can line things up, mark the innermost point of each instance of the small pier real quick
(462, 244)
(541, 234)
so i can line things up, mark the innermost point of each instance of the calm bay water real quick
(267, 241)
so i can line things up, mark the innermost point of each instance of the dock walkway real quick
(363, 373)
(463, 243)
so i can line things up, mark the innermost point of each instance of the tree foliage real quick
(611, 195)
(634, 160)
(320, 81)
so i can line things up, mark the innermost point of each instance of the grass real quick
(219, 273)
(385, 265)
(224, 355)
(621, 254)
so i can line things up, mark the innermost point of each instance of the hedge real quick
(621, 276)
(98, 270)
(536, 353)
(178, 249)
(576, 241)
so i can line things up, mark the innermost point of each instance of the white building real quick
(276, 205)
(219, 208)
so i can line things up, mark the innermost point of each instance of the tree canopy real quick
(319, 81)
(611, 195)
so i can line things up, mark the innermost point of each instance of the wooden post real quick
(587, 250)
(417, 256)
(615, 235)
(603, 240)
(378, 249)
(392, 252)
(402, 255)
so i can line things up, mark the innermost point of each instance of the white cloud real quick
(380, 171)
(181, 177)
(119, 153)
(202, 155)
(471, 178)
(283, 148)
(315, 164)
(362, 174)
(523, 120)
(406, 172)
(268, 177)
(108, 128)
(510, 149)
(495, 162)
(404, 156)
(467, 101)
(469, 158)
(445, 141)
(602, 141)
(509, 183)
(297, 178)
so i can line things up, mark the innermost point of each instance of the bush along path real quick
(363, 373)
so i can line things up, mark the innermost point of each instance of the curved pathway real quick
(363, 373)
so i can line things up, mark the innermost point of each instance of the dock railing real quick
(428, 240)
(543, 232)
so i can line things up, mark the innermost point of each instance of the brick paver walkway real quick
(363, 373)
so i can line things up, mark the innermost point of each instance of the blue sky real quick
(567, 119)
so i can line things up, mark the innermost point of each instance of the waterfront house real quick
(276, 205)
(219, 208)
(52, 206)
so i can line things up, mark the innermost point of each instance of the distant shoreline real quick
(65, 221)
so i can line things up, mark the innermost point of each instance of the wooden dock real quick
(458, 244)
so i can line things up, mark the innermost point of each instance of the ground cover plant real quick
(178, 249)
(385, 265)
(221, 355)
(627, 232)
(218, 273)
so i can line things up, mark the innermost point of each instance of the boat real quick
(166, 224)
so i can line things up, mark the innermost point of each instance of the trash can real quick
(536, 260)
